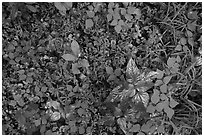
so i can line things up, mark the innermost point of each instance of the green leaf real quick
(142, 97)
(89, 23)
(31, 8)
(122, 11)
(81, 130)
(156, 96)
(85, 63)
(161, 105)
(68, 5)
(75, 48)
(109, 70)
(163, 97)
(114, 22)
(183, 41)
(81, 111)
(55, 116)
(111, 77)
(75, 69)
(160, 129)
(117, 72)
(118, 28)
(132, 68)
(140, 133)
(171, 61)
(173, 103)
(131, 10)
(109, 17)
(37, 122)
(169, 112)
(178, 48)
(160, 74)
(59, 6)
(158, 82)
(167, 79)
(163, 88)
(151, 109)
(135, 128)
(69, 57)
(90, 14)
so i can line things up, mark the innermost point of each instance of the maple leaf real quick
(138, 83)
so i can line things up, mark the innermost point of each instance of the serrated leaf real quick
(156, 96)
(75, 48)
(163, 88)
(167, 79)
(173, 103)
(169, 112)
(69, 57)
(135, 128)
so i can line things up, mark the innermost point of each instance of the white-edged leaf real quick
(55, 116)
(132, 68)
(69, 57)
(75, 48)
(142, 97)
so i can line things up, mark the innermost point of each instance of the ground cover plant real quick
(107, 68)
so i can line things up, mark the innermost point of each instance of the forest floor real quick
(101, 68)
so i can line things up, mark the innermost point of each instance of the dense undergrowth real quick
(101, 68)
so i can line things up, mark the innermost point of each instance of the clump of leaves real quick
(138, 83)
(77, 62)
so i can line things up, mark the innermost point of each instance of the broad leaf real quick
(75, 48)
(55, 116)
(69, 57)
(156, 96)
(142, 97)
(132, 68)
